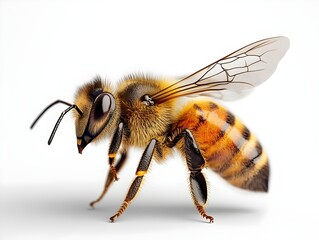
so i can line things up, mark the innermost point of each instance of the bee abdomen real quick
(247, 165)
(228, 147)
(248, 169)
(258, 182)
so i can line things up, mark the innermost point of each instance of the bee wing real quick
(241, 70)
(224, 95)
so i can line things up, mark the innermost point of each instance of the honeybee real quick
(152, 113)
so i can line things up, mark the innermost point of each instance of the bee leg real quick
(114, 147)
(199, 194)
(110, 178)
(113, 150)
(195, 164)
(140, 172)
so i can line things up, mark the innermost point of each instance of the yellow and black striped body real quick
(227, 146)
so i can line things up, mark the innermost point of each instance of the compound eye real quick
(101, 113)
(102, 106)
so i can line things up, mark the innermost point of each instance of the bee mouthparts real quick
(80, 148)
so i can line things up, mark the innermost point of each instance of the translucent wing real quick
(241, 70)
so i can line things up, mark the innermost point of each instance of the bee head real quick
(98, 107)
(94, 111)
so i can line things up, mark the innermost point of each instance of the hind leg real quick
(195, 164)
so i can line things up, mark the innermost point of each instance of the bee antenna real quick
(71, 106)
(60, 119)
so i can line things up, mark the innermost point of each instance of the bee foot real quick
(113, 170)
(210, 219)
(113, 218)
(92, 204)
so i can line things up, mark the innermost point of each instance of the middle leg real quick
(140, 172)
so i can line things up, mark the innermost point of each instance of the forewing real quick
(241, 70)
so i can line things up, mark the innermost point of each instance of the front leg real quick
(111, 178)
(114, 147)
(140, 172)
(113, 151)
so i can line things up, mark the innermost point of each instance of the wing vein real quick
(243, 69)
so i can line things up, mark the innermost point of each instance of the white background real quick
(49, 48)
